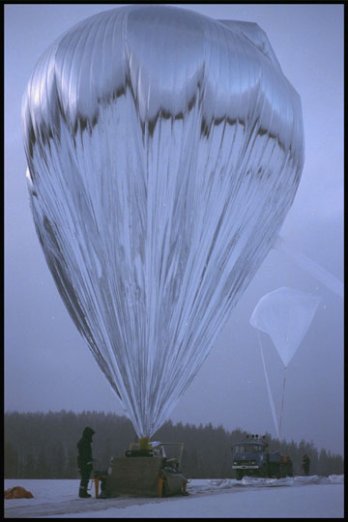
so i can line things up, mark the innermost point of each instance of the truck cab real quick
(252, 457)
(249, 457)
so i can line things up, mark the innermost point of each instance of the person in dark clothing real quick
(85, 460)
(306, 462)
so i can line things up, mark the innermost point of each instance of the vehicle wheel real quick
(239, 474)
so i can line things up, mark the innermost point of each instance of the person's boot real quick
(83, 493)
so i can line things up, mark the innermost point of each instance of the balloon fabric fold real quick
(164, 150)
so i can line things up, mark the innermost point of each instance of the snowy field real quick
(297, 497)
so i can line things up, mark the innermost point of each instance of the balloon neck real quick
(144, 443)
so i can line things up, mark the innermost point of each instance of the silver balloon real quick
(164, 151)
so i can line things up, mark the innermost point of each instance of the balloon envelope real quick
(285, 315)
(164, 151)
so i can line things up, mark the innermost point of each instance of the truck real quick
(150, 469)
(251, 457)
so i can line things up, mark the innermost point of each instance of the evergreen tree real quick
(43, 445)
(10, 461)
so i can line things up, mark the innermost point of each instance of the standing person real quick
(306, 462)
(85, 460)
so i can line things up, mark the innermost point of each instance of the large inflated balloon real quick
(164, 151)
(285, 315)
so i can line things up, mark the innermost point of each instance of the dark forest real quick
(43, 445)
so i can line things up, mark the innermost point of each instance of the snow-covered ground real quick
(297, 497)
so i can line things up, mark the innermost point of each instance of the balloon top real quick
(163, 54)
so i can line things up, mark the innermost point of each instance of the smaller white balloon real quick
(285, 315)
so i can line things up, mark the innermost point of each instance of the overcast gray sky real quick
(48, 365)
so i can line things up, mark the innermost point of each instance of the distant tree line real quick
(43, 445)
